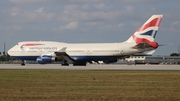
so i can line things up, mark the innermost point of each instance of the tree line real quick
(174, 54)
(4, 56)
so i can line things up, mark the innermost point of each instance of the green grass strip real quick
(54, 85)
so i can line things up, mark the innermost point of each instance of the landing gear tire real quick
(65, 63)
(22, 63)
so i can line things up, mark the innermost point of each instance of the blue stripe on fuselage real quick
(77, 58)
(26, 57)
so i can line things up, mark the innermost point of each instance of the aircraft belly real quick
(93, 58)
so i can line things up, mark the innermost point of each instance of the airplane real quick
(79, 54)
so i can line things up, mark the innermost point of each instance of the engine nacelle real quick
(48, 58)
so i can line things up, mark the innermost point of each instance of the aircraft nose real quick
(9, 52)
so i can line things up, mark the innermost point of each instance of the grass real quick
(65, 85)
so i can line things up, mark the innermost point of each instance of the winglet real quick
(63, 49)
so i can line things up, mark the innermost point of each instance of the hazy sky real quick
(78, 21)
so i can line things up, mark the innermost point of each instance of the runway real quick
(88, 67)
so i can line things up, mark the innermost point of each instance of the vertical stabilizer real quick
(147, 32)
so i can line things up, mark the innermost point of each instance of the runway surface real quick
(88, 67)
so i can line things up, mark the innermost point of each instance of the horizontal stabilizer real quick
(145, 54)
(142, 45)
(150, 52)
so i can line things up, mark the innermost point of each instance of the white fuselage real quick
(33, 49)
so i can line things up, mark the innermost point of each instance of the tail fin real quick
(147, 32)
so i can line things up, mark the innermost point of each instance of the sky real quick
(87, 21)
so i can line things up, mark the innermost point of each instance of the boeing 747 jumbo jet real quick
(80, 53)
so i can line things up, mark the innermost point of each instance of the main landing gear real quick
(22, 63)
(64, 63)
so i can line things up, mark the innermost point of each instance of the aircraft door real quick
(88, 52)
(121, 52)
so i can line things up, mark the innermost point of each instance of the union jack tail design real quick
(147, 32)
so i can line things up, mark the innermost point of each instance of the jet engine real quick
(46, 58)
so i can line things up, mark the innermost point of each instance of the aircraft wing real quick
(64, 56)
